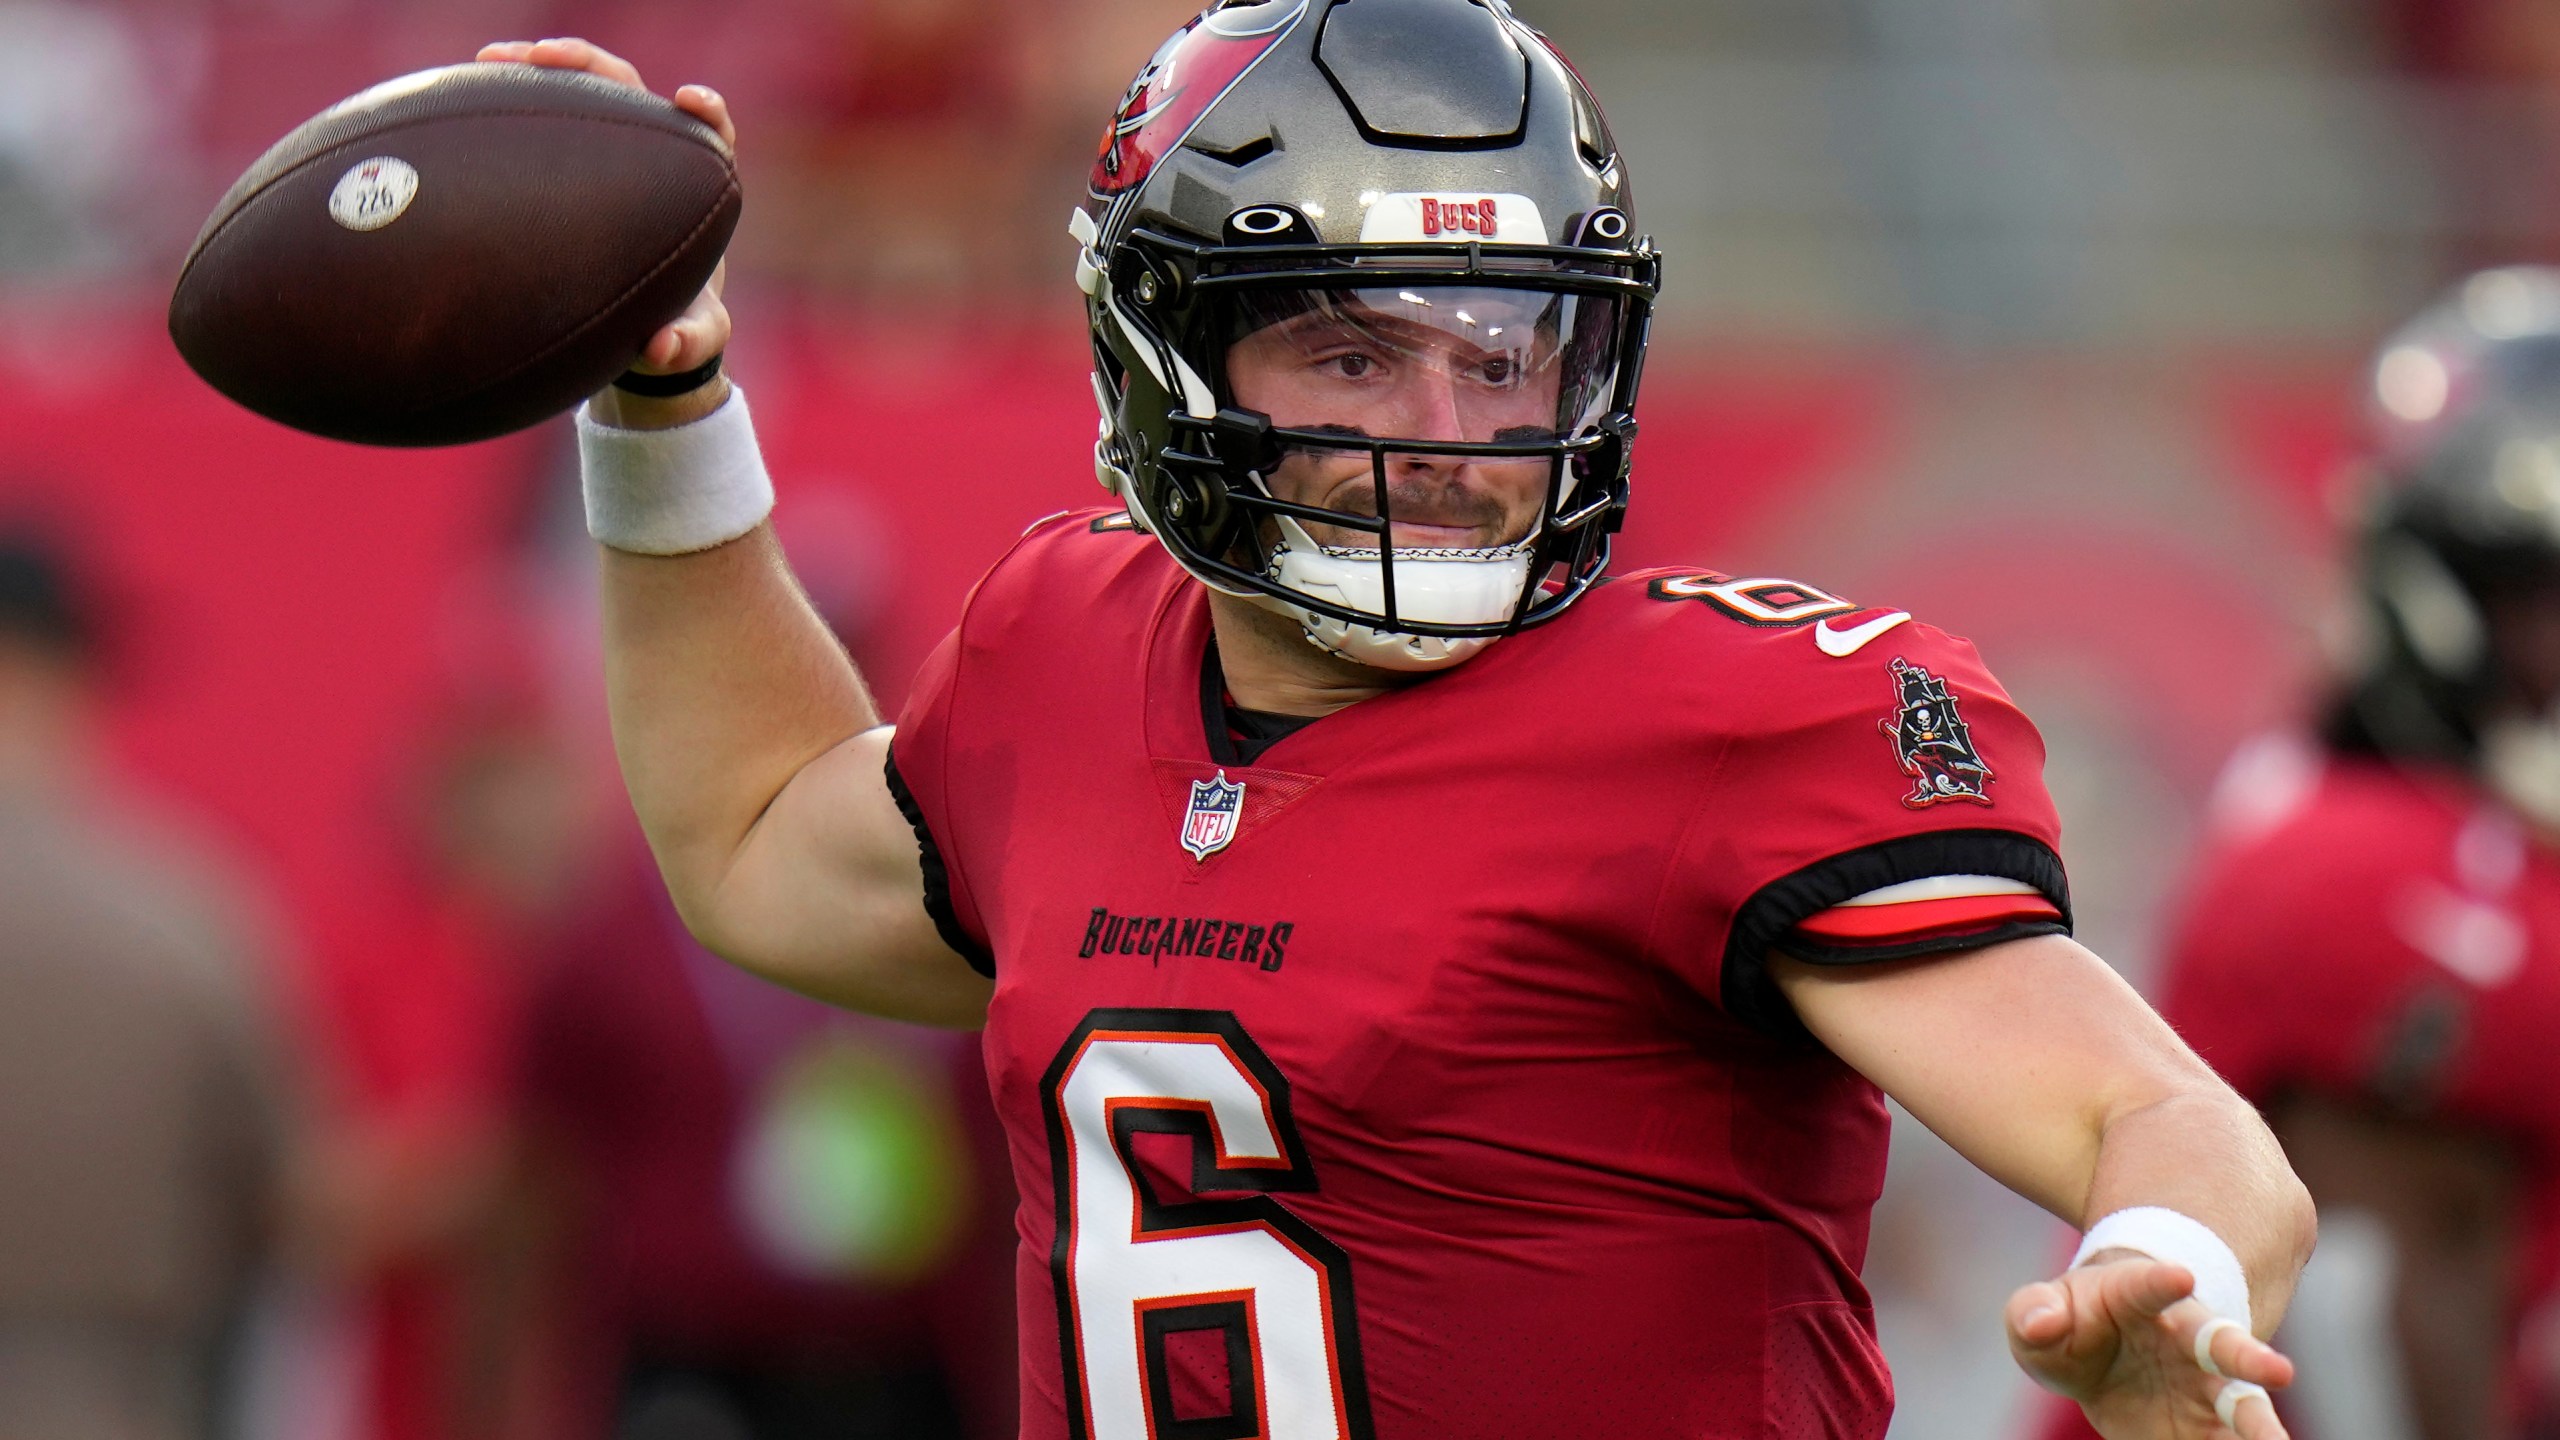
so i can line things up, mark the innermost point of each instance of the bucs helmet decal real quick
(1190, 73)
(1932, 742)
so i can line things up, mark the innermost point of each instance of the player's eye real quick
(1350, 365)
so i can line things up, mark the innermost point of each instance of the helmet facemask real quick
(1408, 456)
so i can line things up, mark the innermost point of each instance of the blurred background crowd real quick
(329, 958)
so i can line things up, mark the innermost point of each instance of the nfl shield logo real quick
(1215, 807)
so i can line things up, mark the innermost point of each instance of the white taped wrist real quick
(673, 492)
(2222, 1286)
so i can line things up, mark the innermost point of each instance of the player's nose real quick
(1429, 399)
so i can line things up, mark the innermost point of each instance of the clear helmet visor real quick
(1370, 391)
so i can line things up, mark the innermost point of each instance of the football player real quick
(1432, 989)
(2395, 883)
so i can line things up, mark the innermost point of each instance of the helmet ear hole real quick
(1194, 503)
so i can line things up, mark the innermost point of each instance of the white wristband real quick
(2222, 1286)
(673, 492)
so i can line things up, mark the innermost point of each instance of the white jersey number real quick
(1224, 1263)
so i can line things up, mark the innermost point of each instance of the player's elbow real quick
(713, 926)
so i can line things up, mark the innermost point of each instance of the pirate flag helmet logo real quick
(1930, 739)
(1189, 74)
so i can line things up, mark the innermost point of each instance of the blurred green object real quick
(853, 1166)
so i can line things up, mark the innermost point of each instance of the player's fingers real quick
(2142, 1287)
(689, 343)
(706, 104)
(2039, 1316)
(2243, 1356)
(2253, 1417)
(673, 349)
(505, 52)
(576, 54)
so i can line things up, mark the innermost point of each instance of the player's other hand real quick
(702, 331)
(2118, 1335)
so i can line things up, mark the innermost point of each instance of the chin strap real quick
(1437, 587)
(1379, 649)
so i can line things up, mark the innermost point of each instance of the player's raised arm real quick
(753, 753)
(2041, 1066)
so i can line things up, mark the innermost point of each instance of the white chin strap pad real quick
(1440, 587)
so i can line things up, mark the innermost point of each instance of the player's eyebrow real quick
(1341, 319)
(1331, 320)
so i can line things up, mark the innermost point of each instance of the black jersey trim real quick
(1238, 737)
(937, 879)
(1781, 905)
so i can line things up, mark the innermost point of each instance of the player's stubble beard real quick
(1495, 503)
(1269, 664)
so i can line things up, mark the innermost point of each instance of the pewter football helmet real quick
(1428, 182)
(2461, 517)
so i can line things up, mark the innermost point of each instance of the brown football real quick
(454, 255)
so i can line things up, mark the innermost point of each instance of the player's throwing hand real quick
(702, 331)
(2119, 1336)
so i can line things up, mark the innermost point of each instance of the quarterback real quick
(1433, 987)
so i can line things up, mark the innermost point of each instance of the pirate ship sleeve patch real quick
(1931, 742)
(2019, 876)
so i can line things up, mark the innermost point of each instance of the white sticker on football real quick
(374, 193)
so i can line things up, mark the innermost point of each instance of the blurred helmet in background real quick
(43, 602)
(2459, 545)
(1430, 179)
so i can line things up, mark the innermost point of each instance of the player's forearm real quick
(723, 685)
(2202, 1151)
(2043, 1067)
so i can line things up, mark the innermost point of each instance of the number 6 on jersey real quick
(1225, 1266)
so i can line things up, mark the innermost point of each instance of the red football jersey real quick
(1422, 1079)
(2383, 934)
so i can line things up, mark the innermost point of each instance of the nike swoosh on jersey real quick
(1841, 644)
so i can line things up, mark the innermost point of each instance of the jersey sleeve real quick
(955, 718)
(2292, 966)
(1882, 805)
(919, 779)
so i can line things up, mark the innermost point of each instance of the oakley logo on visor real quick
(1492, 219)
